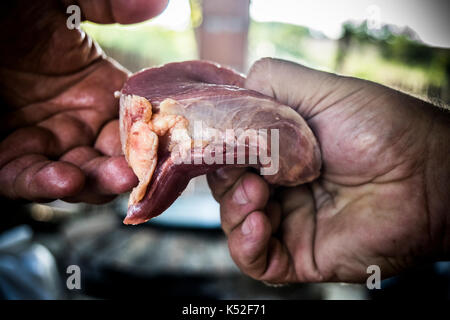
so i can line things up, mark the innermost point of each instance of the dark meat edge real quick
(168, 182)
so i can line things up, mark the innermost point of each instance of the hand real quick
(382, 197)
(59, 122)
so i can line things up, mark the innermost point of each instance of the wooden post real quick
(222, 36)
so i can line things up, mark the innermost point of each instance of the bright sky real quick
(428, 18)
(176, 16)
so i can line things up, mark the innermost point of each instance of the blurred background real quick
(402, 44)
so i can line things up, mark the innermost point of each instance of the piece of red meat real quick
(159, 109)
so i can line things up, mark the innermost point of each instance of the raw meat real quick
(176, 123)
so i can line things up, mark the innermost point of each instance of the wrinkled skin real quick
(382, 197)
(59, 122)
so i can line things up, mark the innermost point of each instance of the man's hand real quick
(382, 197)
(58, 120)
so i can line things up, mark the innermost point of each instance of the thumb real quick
(121, 11)
(306, 90)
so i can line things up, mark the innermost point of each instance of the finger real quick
(104, 175)
(121, 11)
(306, 90)
(108, 141)
(68, 131)
(110, 175)
(258, 254)
(80, 155)
(88, 196)
(221, 180)
(248, 194)
(35, 178)
(30, 140)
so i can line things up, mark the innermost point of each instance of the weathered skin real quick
(156, 101)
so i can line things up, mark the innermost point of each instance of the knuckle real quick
(263, 62)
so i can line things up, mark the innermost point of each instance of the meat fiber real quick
(161, 111)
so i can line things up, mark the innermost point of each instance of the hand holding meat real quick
(382, 196)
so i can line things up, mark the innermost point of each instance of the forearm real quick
(437, 176)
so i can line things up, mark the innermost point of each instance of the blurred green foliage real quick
(389, 55)
(143, 45)
(286, 38)
(402, 48)
(196, 13)
(395, 57)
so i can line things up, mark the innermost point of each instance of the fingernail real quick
(239, 196)
(247, 226)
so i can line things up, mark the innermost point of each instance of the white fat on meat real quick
(140, 131)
